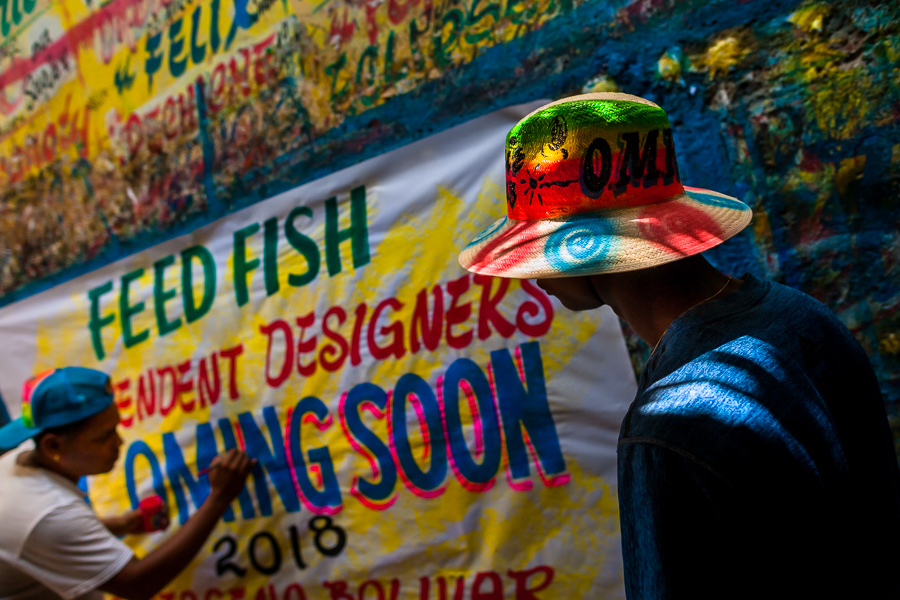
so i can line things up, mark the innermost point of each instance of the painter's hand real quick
(132, 522)
(228, 473)
(127, 523)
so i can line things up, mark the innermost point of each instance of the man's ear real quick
(50, 445)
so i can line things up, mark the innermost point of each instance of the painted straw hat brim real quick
(607, 241)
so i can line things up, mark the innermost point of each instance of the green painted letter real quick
(192, 312)
(270, 255)
(161, 295)
(97, 322)
(127, 310)
(242, 266)
(304, 246)
(357, 233)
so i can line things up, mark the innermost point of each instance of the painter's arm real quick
(141, 579)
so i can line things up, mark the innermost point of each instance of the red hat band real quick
(584, 159)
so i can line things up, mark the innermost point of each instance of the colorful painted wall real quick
(127, 122)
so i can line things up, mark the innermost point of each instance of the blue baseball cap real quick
(55, 398)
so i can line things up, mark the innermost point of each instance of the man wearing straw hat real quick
(756, 459)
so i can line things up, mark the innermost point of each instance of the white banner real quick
(421, 432)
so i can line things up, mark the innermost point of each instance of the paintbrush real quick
(202, 472)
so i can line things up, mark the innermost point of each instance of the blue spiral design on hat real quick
(491, 230)
(719, 201)
(580, 244)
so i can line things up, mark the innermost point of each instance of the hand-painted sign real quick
(421, 432)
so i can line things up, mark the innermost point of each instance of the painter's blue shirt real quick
(756, 460)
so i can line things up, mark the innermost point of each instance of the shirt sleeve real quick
(71, 552)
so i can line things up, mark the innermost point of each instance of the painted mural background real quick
(128, 122)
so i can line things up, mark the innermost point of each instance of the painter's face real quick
(575, 293)
(94, 448)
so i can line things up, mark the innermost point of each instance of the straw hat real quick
(592, 186)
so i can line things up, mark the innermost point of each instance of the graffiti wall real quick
(128, 122)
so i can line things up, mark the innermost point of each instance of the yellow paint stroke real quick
(840, 100)
(669, 67)
(723, 55)
(810, 17)
(850, 170)
(762, 237)
(890, 344)
(602, 83)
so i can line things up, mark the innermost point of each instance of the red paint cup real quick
(152, 513)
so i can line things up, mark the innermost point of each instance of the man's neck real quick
(651, 299)
(36, 459)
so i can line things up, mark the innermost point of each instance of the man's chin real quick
(580, 307)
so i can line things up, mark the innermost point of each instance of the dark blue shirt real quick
(756, 460)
